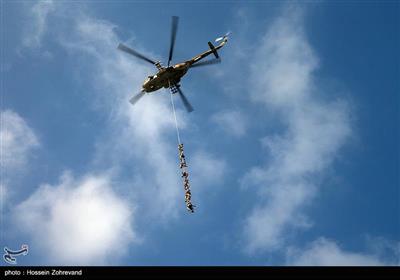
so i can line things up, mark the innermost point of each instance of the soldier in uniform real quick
(190, 207)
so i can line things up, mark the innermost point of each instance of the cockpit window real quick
(149, 78)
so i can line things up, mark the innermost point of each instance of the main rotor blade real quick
(174, 28)
(126, 49)
(207, 62)
(188, 107)
(136, 98)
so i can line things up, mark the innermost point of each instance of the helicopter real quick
(170, 76)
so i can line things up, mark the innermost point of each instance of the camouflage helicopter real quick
(170, 76)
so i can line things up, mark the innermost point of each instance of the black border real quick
(201, 272)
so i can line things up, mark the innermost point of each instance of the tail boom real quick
(213, 50)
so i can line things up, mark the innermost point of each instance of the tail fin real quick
(212, 48)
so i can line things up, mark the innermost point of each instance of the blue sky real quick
(292, 148)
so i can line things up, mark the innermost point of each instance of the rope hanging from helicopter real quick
(176, 122)
(182, 158)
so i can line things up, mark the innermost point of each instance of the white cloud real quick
(265, 225)
(325, 252)
(78, 221)
(37, 26)
(283, 73)
(283, 80)
(207, 169)
(384, 248)
(17, 142)
(232, 122)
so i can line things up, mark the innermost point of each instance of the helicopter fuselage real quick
(166, 77)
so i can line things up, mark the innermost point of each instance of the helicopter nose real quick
(147, 86)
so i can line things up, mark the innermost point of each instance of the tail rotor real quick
(223, 38)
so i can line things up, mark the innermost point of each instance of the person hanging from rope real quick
(186, 185)
(180, 148)
(184, 174)
(182, 160)
(190, 207)
(182, 163)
